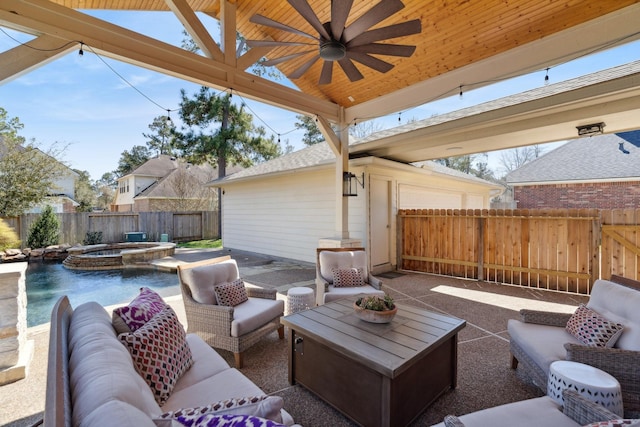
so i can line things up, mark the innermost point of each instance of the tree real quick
(312, 134)
(187, 183)
(27, 174)
(218, 132)
(364, 129)
(130, 160)
(162, 138)
(84, 191)
(45, 231)
(514, 158)
(105, 188)
(8, 237)
(469, 164)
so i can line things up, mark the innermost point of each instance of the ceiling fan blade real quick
(392, 31)
(339, 13)
(276, 61)
(267, 22)
(376, 14)
(326, 74)
(275, 43)
(297, 73)
(370, 61)
(384, 49)
(309, 15)
(350, 70)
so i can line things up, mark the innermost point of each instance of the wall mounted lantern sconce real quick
(590, 130)
(350, 184)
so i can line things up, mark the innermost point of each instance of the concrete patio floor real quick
(485, 378)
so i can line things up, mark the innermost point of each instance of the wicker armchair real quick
(539, 338)
(329, 258)
(229, 328)
(577, 411)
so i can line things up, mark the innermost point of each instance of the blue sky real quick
(81, 102)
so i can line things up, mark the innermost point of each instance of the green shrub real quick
(45, 231)
(92, 238)
(8, 237)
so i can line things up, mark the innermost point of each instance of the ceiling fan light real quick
(332, 51)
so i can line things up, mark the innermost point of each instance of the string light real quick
(546, 77)
(399, 117)
(169, 121)
(460, 91)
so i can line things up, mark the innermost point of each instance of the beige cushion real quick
(542, 411)
(201, 280)
(342, 292)
(544, 344)
(618, 304)
(254, 313)
(118, 414)
(221, 386)
(348, 259)
(101, 369)
(206, 362)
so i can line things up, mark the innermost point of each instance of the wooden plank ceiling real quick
(455, 33)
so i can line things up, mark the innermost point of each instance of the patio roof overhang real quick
(482, 45)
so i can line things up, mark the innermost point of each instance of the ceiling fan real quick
(338, 43)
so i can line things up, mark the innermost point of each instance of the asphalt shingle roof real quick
(591, 158)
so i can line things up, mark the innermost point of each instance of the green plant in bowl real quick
(376, 303)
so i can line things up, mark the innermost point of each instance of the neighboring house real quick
(594, 172)
(284, 207)
(166, 183)
(62, 195)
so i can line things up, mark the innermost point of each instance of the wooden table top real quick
(387, 348)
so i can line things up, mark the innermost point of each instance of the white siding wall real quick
(285, 216)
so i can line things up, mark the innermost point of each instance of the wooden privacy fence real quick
(556, 249)
(179, 226)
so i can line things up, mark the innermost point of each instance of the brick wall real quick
(606, 195)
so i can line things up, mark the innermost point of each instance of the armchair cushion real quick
(254, 313)
(542, 343)
(201, 280)
(619, 304)
(329, 260)
(347, 277)
(593, 329)
(231, 294)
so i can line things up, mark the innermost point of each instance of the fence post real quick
(480, 248)
(399, 240)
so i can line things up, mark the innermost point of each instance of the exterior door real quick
(380, 224)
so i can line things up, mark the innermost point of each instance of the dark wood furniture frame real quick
(375, 374)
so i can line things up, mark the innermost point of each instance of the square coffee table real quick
(375, 374)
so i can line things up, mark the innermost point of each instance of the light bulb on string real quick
(460, 91)
(81, 52)
(546, 78)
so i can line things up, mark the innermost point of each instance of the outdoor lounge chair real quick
(232, 328)
(331, 259)
(540, 338)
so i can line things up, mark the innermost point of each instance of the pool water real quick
(47, 281)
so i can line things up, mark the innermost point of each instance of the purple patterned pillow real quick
(213, 420)
(231, 294)
(133, 316)
(347, 277)
(160, 352)
(258, 406)
(592, 329)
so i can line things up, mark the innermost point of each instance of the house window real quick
(124, 186)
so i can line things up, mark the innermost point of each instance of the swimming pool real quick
(46, 282)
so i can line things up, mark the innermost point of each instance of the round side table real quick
(592, 383)
(299, 299)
